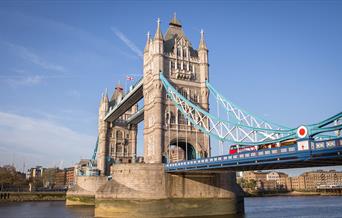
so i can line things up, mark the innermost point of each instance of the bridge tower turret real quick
(203, 70)
(153, 108)
(103, 129)
(166, 132)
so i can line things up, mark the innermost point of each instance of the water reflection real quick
(263, 207)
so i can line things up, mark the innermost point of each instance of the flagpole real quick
(125, 85)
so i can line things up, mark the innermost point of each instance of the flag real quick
(130, 78)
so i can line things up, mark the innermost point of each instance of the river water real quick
(257, 207)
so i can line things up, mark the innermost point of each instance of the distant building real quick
(309, 181)
(49, 177)
(268, 180)
(86, 167)
(60, 179)
(298, 183)
(69, 176)
(34, 172)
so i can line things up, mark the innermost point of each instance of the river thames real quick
(256, 207)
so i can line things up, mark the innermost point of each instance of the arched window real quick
(181, 118)
(178, 51)
(167, 118)
(178, 65)
(118, 148)
(119, 135)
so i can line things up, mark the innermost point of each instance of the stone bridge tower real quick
(167, 134)
(117, 141)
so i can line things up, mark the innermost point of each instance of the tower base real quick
(145, 190)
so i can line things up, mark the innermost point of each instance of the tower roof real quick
(175, 32)
(202, 44)
(158, 34)
(174, 21)
(117, 92)
(147, 42)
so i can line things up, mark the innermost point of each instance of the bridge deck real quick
(319, 153)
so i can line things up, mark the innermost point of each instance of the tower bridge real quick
(179, 176)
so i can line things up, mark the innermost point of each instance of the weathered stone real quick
(145, 190)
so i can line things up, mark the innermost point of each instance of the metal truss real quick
(243, 130)
(241, 127)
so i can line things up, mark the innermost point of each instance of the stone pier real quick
(145, 190)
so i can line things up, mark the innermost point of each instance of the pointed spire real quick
(174, 21)
(202, 44)
(147, 42)
(158, 34)
(106, 96)
(102, 97)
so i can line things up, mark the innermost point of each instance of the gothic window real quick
(167, 118)
(190, 67)
(173, 118)
(118, 148)
(185, 53)
(112, 149)
(172, 65)
(181, 119)
(178, 52)
(119, 135)
(126, 149)
(178, 65)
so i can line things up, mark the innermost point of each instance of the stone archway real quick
(181, 151)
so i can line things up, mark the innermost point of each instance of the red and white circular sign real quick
(302, 131)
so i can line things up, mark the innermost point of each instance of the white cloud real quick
(43, 140)
(28, 55)
(128, 42)
(24, 80)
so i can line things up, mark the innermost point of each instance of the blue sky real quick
(278, 59)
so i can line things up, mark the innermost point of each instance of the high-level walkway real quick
(131, 98)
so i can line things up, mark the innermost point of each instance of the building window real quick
(181, 119)
(119, 135)
(118, 148)
(179, 52)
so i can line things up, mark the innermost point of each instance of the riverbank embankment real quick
(31, 196)
(291, 193)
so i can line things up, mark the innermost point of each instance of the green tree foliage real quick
(9, 177)
(252, 184)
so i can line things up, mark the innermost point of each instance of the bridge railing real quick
(235, 157)
(279, 154)
(326, 144)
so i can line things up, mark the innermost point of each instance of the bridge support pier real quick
(145, 190)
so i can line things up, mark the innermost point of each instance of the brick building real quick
(268, 180)
(310, 180)
(69, 176)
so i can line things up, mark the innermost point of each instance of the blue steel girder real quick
(242, 127)
(318, 153)
(224, 130)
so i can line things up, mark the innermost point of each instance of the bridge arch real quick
(181, 149)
